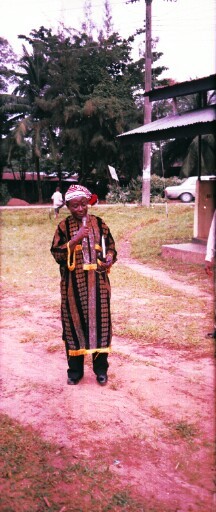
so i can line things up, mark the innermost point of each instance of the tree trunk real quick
(59, 173)
(39, 187)
(23, 189)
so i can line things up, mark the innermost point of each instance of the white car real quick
(185, 191)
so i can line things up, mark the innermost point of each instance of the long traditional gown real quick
(85, 287)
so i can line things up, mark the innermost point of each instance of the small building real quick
(24, 185)
(197, 122)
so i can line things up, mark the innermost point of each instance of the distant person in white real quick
(210, 261)
(57, 200)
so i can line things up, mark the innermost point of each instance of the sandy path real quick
(132, 421)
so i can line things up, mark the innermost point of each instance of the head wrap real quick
(77, 191)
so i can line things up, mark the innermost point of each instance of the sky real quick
(185, 28)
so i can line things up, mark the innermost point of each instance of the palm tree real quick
(208, 151)
(186, 150)
(32, 80)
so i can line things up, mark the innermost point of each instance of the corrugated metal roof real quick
(198, 85)
(179, 125)
(198, 116)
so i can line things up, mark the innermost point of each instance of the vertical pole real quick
(199, 155)
(146, 178)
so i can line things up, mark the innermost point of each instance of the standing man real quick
(85, 250)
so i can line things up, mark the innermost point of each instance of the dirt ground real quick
(153, 424)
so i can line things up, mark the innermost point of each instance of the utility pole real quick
(146, 173)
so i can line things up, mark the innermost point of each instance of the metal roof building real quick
(196, 122)
(179, 125)
(187, 124)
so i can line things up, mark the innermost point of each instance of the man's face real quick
(78, 207)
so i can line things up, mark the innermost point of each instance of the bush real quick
(117, 194)
(4, 194)
(157, 186)
(133, 192)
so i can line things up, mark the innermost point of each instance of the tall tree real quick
(7, 102)
(79, 93)
(32, 82)
(88, 24)
(107, 20)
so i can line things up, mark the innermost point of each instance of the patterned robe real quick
(85, 294)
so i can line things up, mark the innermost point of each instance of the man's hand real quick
(82, 233)
(107, 264)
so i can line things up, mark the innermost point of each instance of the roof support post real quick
(199, 155)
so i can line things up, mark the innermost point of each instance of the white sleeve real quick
(210, 248)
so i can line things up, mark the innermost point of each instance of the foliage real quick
(76, 91)
(208, 162)
(185, 150)
(117, 194)
(132, 193)
(7, 59)
(4, 194)
(129, 194)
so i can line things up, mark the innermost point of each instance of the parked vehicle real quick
(186, 191)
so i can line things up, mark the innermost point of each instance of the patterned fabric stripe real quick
(83, 352)
(59, 253)
(76, 312)
(70, 329)
(80, 296)
(92, 323)
(103, 316)
(98, 309)
(77, 298)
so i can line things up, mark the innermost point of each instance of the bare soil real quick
(153, 423)
(17, 202)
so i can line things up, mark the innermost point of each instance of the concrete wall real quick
(205, 204)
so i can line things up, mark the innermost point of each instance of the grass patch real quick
(29, 337)
(38, 476)
(142, 308)
(184, 431)
(150, 312)
(27, 259)
(156, 230)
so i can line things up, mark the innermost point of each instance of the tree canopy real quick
(75, 92)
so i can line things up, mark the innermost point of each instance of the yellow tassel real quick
(77, 248)
(84, 351)
(89, 266)
(86, 266)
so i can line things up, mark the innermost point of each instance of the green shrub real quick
(133, 192)
(117, 194)
(158, 185)
(4, 194)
